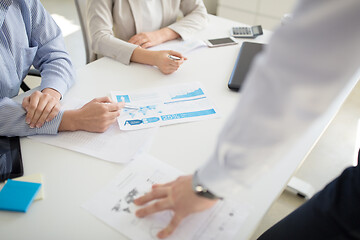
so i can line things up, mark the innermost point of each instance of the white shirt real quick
(150, 21)
(302, 71)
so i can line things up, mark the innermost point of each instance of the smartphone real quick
(217, 42)
(246, 32)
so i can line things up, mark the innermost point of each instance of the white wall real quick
(211, 6)
(267, 13)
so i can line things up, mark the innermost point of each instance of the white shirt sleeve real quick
(306, 65)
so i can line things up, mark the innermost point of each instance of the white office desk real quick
(71, 178)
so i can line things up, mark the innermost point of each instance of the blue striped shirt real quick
(29, 36)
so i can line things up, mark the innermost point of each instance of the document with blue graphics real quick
(165, 105)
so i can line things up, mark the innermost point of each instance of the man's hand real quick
(149, 39)
(41, 107)
(177, 196)
(165, 64)
(95, 116)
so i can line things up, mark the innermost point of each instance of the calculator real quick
(246, 32)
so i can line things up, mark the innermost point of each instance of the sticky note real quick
(36, 178)
(17, 195)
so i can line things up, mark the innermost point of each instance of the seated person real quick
(123, 29)
(29, 36)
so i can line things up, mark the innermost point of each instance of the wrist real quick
(200, 190)
(168, 34)
(69, 121)
(141, 55)
(54, 93)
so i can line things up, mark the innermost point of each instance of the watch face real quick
(199, 189)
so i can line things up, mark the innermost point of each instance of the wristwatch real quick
(201, 190)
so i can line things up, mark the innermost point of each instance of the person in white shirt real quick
(304, 68)
(123, 29)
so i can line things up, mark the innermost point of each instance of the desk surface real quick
(71, 178)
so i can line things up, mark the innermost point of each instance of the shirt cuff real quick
(218, 180)
(51, 127)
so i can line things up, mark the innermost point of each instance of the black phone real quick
(11, 165)
(248, 51)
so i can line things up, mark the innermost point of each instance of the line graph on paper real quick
(166, 105)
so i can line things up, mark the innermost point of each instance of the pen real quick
(174, 57)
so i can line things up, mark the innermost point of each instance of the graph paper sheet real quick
(165, 105)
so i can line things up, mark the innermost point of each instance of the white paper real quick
(165, 105)
(114, 205)
(113, 145)
(183, 47)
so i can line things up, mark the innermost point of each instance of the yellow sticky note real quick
(36, 178)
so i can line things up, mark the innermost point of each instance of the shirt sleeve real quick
(102, 35)
(9, 109)
(51, 57)
(195, 18)
(292, 84)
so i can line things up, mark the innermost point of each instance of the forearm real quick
(12, 121)
(51, 57)
(167, 34)
(287, 90)
(69, 122)
(144, 56)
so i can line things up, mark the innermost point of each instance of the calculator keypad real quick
(241, 31)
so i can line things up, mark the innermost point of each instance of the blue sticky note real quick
(17, 195)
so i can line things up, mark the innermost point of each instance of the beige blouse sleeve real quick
(104, 42)
(195, 18)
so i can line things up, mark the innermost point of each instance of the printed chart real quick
(163, 106)
(114, 205)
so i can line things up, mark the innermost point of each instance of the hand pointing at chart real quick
(95, 116)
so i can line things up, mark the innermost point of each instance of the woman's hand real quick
(165, 64)
(149, 39)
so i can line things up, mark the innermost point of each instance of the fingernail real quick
(38, 125)
(138, 213)
(32, 126)
(161, 235)
(27, 121)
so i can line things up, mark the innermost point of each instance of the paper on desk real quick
(183, 47)
(114, 205)
(113, 145)
(165, 105)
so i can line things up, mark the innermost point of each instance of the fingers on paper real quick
(156, 193)
(157, 206)
(175, 221)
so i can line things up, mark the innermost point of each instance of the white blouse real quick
(151, 16)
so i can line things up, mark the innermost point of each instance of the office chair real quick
(81, 7)
(32, 72)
